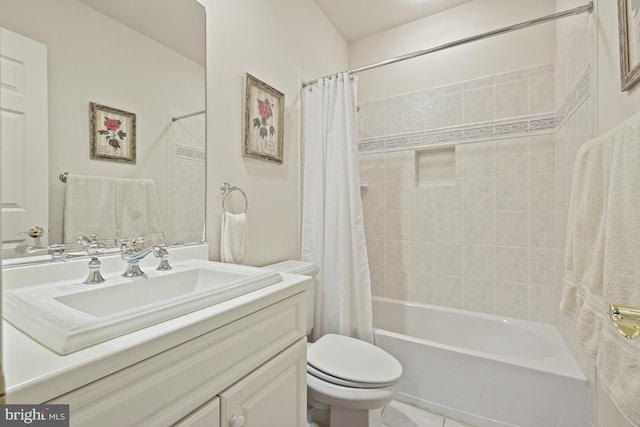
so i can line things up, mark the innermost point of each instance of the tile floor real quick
(399, 414)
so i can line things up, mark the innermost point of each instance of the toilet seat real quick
(350, 362)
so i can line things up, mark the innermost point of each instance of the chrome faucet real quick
(94, 250)
(57, 251)
(133, 255)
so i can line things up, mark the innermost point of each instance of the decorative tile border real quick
(192, 153)
(457, 134)
(576, 97)
(549, 123)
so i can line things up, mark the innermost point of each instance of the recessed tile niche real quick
(436, 167)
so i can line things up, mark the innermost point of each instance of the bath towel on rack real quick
(601, 257)
(138, 210)
(89, 207)
(112, 209)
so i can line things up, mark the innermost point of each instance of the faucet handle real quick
(130, 242)
(162, 253)
(91, 246)
(57, 248)
(35, 249)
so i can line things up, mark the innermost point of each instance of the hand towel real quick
(601, 257)
(89, 208)
(112, 209)
(233, 236)
(138, 211)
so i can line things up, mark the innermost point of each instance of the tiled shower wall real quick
(485, 238)
(576, 124)
(186, 213)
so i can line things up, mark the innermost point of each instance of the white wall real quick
(92, 58)
(614, 106)
(279, 42)
(521, 49)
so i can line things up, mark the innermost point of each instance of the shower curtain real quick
(332, 219)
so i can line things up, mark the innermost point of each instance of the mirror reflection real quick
(58, 57)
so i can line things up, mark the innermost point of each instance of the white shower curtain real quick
(332, 220)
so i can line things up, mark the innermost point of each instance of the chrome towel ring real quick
(227, 188)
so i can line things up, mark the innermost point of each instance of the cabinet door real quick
(208, 415)
(273, 395)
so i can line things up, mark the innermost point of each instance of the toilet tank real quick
(303, 268)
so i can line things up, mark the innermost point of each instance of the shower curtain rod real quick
(173, 119)
(576, 11)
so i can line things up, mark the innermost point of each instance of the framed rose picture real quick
(629, 33)
(263, 120)
(113, 134)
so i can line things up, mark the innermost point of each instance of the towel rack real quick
(63, 176)
(227, 188)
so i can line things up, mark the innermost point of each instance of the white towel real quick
(602, 257)
(138, 211)
(233, 236)
(112, 209)
(89, 208)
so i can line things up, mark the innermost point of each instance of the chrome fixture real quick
(197, 113)
(94, 250)
(162, 253)
(57, 250)
(91, 246)
(133, 255)
(626, 320)
(227, 188)
(587, 8)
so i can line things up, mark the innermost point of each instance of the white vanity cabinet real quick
(208, 415)
(249, 372)
(273, 395)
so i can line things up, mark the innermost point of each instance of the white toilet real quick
(349, 381)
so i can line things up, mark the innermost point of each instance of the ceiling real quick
(160, 20)
(356, 19)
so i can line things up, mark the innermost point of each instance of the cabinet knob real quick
(236, 421)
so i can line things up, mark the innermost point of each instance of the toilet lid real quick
(352, 362)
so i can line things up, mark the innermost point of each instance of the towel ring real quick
(227, 188)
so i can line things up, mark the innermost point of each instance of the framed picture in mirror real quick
(113, 134)
(263, 133)
(629, 34)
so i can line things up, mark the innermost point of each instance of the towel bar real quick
(227, 188)
(626, 320)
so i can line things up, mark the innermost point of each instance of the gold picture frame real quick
(113, 134)
(263, 135)
(629, 35)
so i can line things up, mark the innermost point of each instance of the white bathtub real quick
(485, 370)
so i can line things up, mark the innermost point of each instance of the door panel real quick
(273, 395)
(208, 415)
(24, 140)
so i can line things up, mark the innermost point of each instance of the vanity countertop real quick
(34, 374)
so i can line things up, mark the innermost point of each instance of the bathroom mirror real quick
(146, 57)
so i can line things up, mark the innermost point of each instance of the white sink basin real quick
(67, 316)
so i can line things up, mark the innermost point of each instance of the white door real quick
(24, 141)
